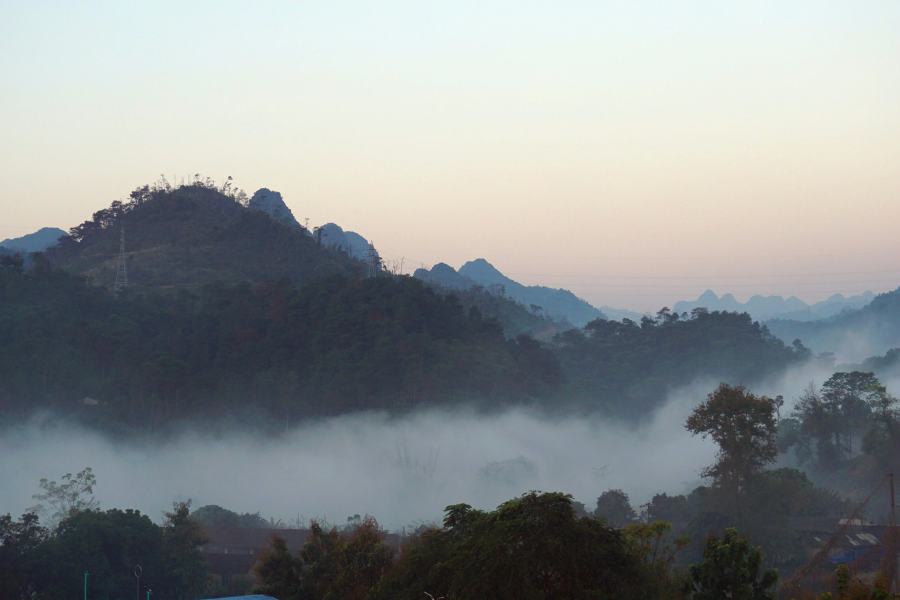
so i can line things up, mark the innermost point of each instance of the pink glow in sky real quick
(635, 153)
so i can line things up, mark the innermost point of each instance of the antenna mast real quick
(121, 270)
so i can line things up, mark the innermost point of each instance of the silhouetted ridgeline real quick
(231, 312)
(189, 236)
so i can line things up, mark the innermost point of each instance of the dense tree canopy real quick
(333, 345)
(628, 368)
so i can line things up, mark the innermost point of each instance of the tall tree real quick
(744, 427)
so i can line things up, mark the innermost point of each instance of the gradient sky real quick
(636, 153)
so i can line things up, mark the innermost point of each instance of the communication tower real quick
(373, 260)
(121, 270)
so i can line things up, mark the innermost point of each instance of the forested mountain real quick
(333, 345)
(853, 336)
(192, 235)
(514, 317)
(626, 368)
(559, 304)
(234, 309)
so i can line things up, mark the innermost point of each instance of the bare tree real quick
(61, 500)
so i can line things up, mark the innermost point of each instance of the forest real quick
(334, 344)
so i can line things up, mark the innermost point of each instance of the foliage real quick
(185, 567)
(669, 508)
(627, 368)
(615, 507)
(657, 548)
(67, 498)
(743, 426)
(108, 545)
(20, 565)
(828, 420)
(333, 345)
(530, 547)
(213, 515)
(731, 569)
(332, 565)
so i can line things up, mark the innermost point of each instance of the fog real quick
(400, 470)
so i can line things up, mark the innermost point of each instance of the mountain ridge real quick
(558, 304)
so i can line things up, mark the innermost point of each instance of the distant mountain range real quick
(38, 241)
(763, 308)
(558, 304)
(851, 335)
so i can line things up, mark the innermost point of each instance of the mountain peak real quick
(273, 205)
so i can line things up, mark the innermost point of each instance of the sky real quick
(636, 153)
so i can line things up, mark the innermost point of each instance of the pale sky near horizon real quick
(636, 153)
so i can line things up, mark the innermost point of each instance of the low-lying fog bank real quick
(401, 470)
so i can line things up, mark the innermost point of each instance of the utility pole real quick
(121, 271)
(892, 549)
(85, 585)
(137, 573)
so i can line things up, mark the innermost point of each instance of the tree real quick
(731, 569)
(615, 507)
(332, 565)
(883, 440)
(185, 567)
(19, 561)
(743, 425)
(653, 543)
(846, 395)
(531, 547)
(279, 572)
(827, 420)
(67, 498)
(669, 508)
(106, 544)
(213, 515)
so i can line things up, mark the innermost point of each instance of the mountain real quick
(852, 335)
(619, 314)
(192, 235)
(273, 351)
(38, 241)
(558, 304)
(272, 204)
(514, 317)
(350, 242)
(771, 307)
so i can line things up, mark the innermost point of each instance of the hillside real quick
(513, 317)
(192, 235)
(558, 304)
(271, 353)
(851, 336)
(628, 368)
